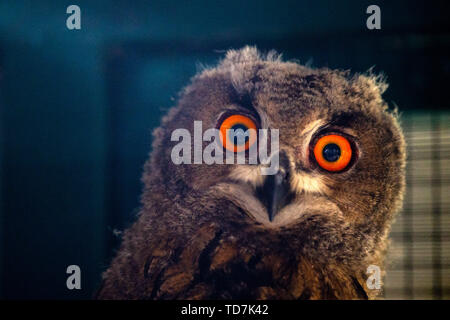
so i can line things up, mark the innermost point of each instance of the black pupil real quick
(240, 135)
(331, 152)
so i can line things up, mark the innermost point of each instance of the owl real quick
(308, 230)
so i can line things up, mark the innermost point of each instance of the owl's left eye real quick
(333, 152)
(238, 132)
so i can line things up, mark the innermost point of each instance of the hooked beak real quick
(275, 193)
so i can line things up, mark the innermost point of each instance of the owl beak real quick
(275, 192)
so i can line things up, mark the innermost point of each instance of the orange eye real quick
(234, 135)
(333, 152)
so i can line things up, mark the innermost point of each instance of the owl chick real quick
(227, 231)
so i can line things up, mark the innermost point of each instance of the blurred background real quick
(77, 108)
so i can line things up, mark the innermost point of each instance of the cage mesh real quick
(419, 256)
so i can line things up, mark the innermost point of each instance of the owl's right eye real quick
(238, 132)
(333, 152)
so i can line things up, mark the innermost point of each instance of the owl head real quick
(340, 157)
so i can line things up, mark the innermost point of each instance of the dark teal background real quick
(77, 106)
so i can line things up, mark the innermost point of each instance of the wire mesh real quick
(419, 256)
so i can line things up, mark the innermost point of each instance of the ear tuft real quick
(249, 55)
(376, 82)
(241, 64)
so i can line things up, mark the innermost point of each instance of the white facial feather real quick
(250, 174)
(300, 182)
(307, 183)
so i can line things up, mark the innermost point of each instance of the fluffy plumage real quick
(203, 233)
